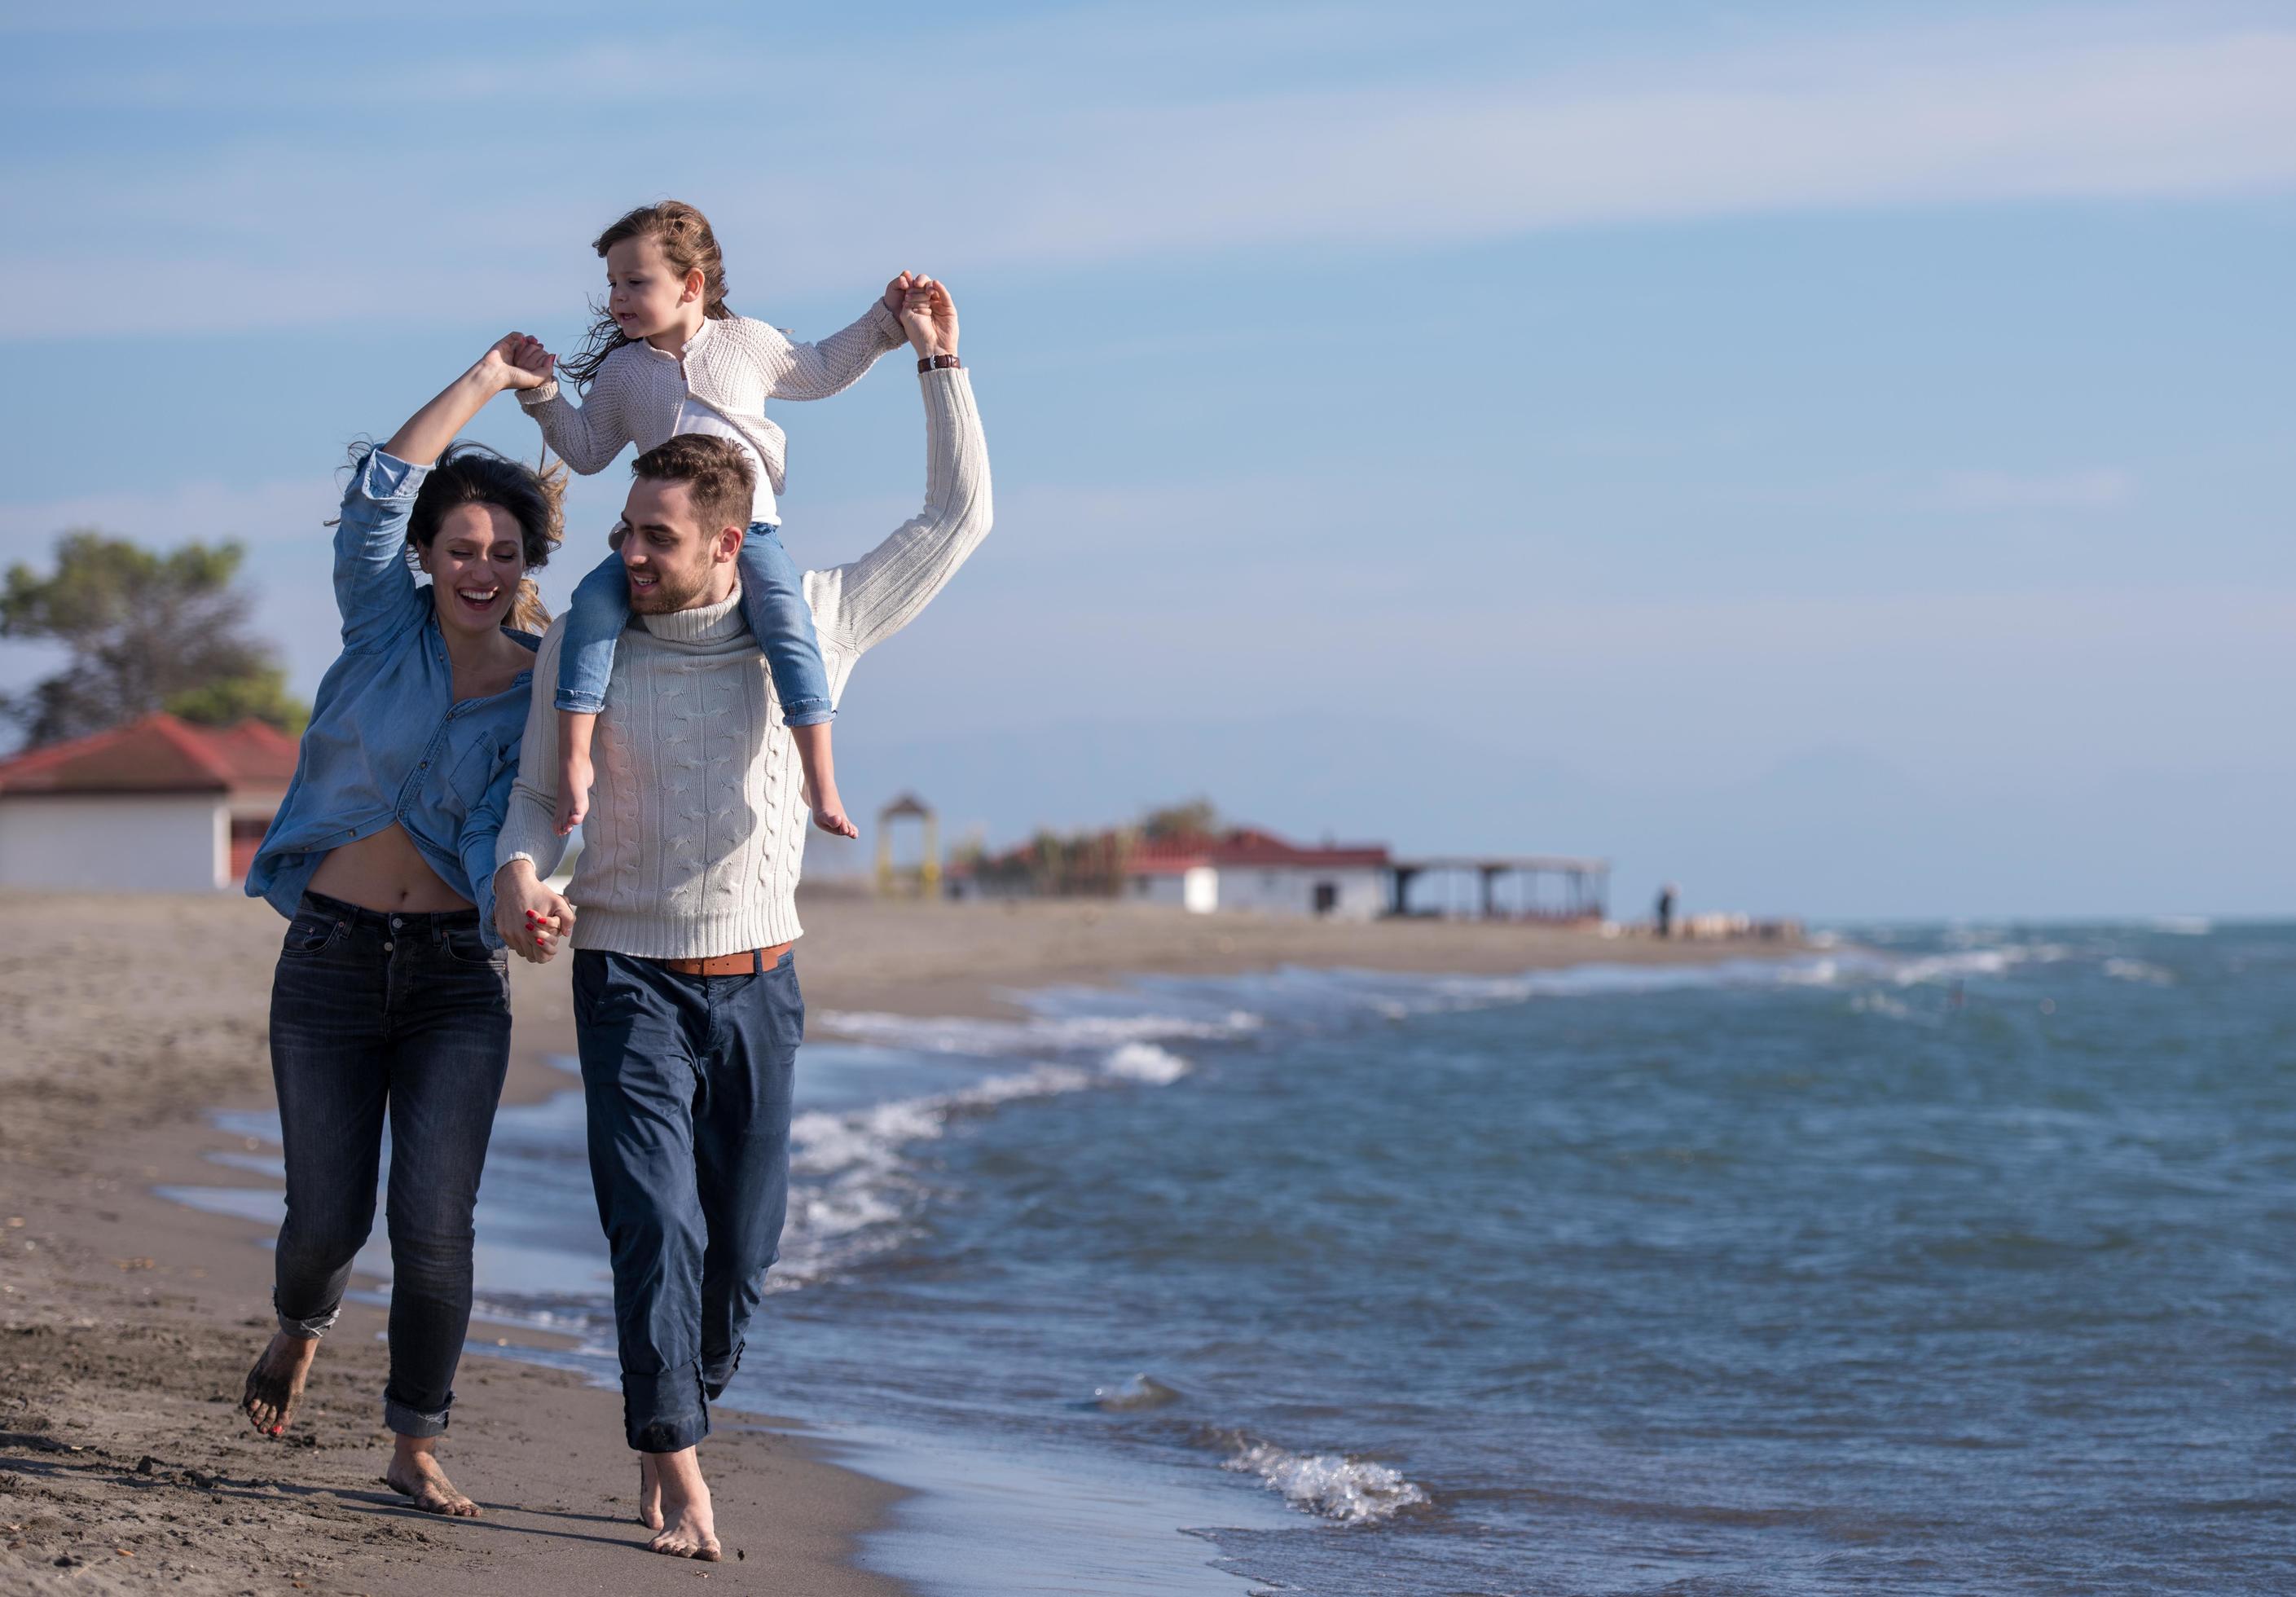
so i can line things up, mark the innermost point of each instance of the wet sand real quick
(126, 1322)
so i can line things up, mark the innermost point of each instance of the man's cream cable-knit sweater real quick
(696, 832)
(720, 384)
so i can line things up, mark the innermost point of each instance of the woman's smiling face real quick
(475, 562)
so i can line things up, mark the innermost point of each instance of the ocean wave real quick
(2136, 969)
(1350, 1491)
(1040, 1034)
(1145, 1062)
(1142, 1391)
(852, 1188)
(1997, 960)
(2184, 926)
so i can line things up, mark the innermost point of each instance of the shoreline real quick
(128, 1318)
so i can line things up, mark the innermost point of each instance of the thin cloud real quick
(2099, 489)
(1037, 178)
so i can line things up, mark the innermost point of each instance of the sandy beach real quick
(126, 1322)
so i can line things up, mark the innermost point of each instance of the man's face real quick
(669, 558)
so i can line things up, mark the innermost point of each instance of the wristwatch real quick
(938, 363)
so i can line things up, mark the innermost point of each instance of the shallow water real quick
(1958, 1265)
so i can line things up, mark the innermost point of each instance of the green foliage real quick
(1181, 823)
(144, 631)
(261, 694)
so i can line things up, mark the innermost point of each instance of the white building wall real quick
(1359, 893)
(1157, 887)
(166, 843)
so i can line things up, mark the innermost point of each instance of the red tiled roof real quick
(1247, 848)
(157, 754)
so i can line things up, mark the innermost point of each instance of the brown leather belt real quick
(756, 960)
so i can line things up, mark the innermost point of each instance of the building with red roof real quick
(1244, 869)
(157, 805)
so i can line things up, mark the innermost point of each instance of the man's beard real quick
(671, 591)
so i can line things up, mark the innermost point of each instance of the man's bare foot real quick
(649, 1493)
(415, 1473)
(275, 1384)
(688, 1530)
(574, 778)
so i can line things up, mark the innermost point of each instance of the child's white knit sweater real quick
(719, 385)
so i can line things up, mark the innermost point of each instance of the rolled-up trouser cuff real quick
(717, 1372)
(806, 712)
(310, 1330)
(412, 1421)
(666, 1413)
(581, 704)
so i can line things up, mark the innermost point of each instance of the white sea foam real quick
(1145, 1062)
(1879, 1003)
(2136, 969)
(2184, 926)
(1041, 1034)
(1351, 1491)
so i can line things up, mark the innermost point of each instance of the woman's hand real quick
(517, 362)
(897, 292)
(529, 917)
(928, 317)
(513, 361)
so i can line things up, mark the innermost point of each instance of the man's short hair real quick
(717, 476)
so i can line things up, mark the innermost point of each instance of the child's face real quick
(645, 294)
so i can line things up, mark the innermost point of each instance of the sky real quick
(1834, 458)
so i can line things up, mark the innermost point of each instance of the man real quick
(686, 992)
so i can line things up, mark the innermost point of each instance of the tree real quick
(1181, 823)
(144, 631)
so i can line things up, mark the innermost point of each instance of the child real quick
(666, 356)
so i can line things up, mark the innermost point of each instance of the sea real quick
(1943, 1259)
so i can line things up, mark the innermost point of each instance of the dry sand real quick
(126, 1322)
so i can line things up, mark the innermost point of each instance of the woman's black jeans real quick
(406, 1016)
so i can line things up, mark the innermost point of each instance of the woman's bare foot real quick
(415, 1473)
(275, 1384)
(687, 1531)
(649, 1493)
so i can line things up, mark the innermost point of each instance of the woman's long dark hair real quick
(687, 243)
(474, 474)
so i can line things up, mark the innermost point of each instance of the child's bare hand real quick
(526, 356)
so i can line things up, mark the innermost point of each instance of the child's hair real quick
(717, 476)
(687, 243)
(474, 474)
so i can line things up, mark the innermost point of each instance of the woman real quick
(391, 996)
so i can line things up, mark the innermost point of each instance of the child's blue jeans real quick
(772, 605)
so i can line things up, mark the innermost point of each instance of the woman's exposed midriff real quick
(385, 872)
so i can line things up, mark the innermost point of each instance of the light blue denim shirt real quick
(387, 742)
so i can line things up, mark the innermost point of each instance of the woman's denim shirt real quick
(387, 742)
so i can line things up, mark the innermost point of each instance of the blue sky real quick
(1835, 457)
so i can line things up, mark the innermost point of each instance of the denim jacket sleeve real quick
(373, 589)
(476, 845)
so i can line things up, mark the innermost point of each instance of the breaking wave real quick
(1350, 1491)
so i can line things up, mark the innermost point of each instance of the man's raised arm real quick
(860, 605)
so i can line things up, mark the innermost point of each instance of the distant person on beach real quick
(667, 358)
(685, 992)
(1666, 911)
(391, 1000)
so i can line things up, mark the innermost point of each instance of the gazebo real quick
(923, 878)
